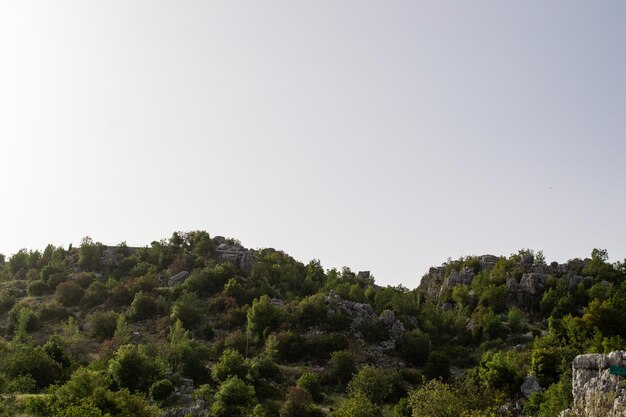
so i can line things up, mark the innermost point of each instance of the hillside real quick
(202, 326)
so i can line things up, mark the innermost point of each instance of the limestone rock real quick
(591, 377)
(362, 314)
(530, 386)
(463, 277)
(177, 279)
(533, 283)
(236, 254)
(488, 261)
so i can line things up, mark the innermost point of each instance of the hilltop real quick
(200, 325)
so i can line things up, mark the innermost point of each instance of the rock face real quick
(591, 377)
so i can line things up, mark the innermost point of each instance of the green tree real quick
(143, 307)
(437, 365)
(161, 390)
(342, 366)
(69, 293)
(357, 407)
(102, 324)
(436, 399)
(187, 309)
(233, 398)
(310, 382)
(185, 355)
(414, 347)
(371, 383)
(25, 360)
(230, 364)
(298, 403)
(263, 317)
(134, 368)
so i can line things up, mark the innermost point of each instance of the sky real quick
(384, 136)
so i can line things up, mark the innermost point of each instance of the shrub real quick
(371, 383)
(414, 347)
(102, 324)
(22, 316)
(95, 294)
(7, 300)
(53, 312)
(437, 366)
(161, 390)
(263, 317)
(233, 397)
(69, 293)
(342, 366)
(435, 398)
(298, 403)
(27, 361)
(310, 382)
(374, 332)
(187, 309)
(133, 368)
(38, 288)
(231, 363)
(357, 407)
(143, 307)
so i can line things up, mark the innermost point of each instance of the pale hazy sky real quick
(385, 136)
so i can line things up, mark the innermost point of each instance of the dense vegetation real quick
(196, 325)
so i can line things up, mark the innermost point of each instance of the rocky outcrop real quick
(236, 254)
(592, 379)
(362, 314)
(487, 262)
(533, 283)
(177, 279)
(463, 277)
(186, 404)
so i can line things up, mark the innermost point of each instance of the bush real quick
(233, 398)
(357, 407)
(374, 332)
(437, 366)
(102, 324)
(263, 317)
(342, 366)
(38, 288)
(298, 403)
(95, 294)
(7, 300)
(435, 398)
(371, 383)
(53, 312)
(231, 363)
(310, 382)
(414, 347)
(133, 368)
(187, 309)
(69, 293)
(23, 317)
(143, 307)
(27, 361)
(161, 390)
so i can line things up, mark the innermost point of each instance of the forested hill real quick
(201, 326)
